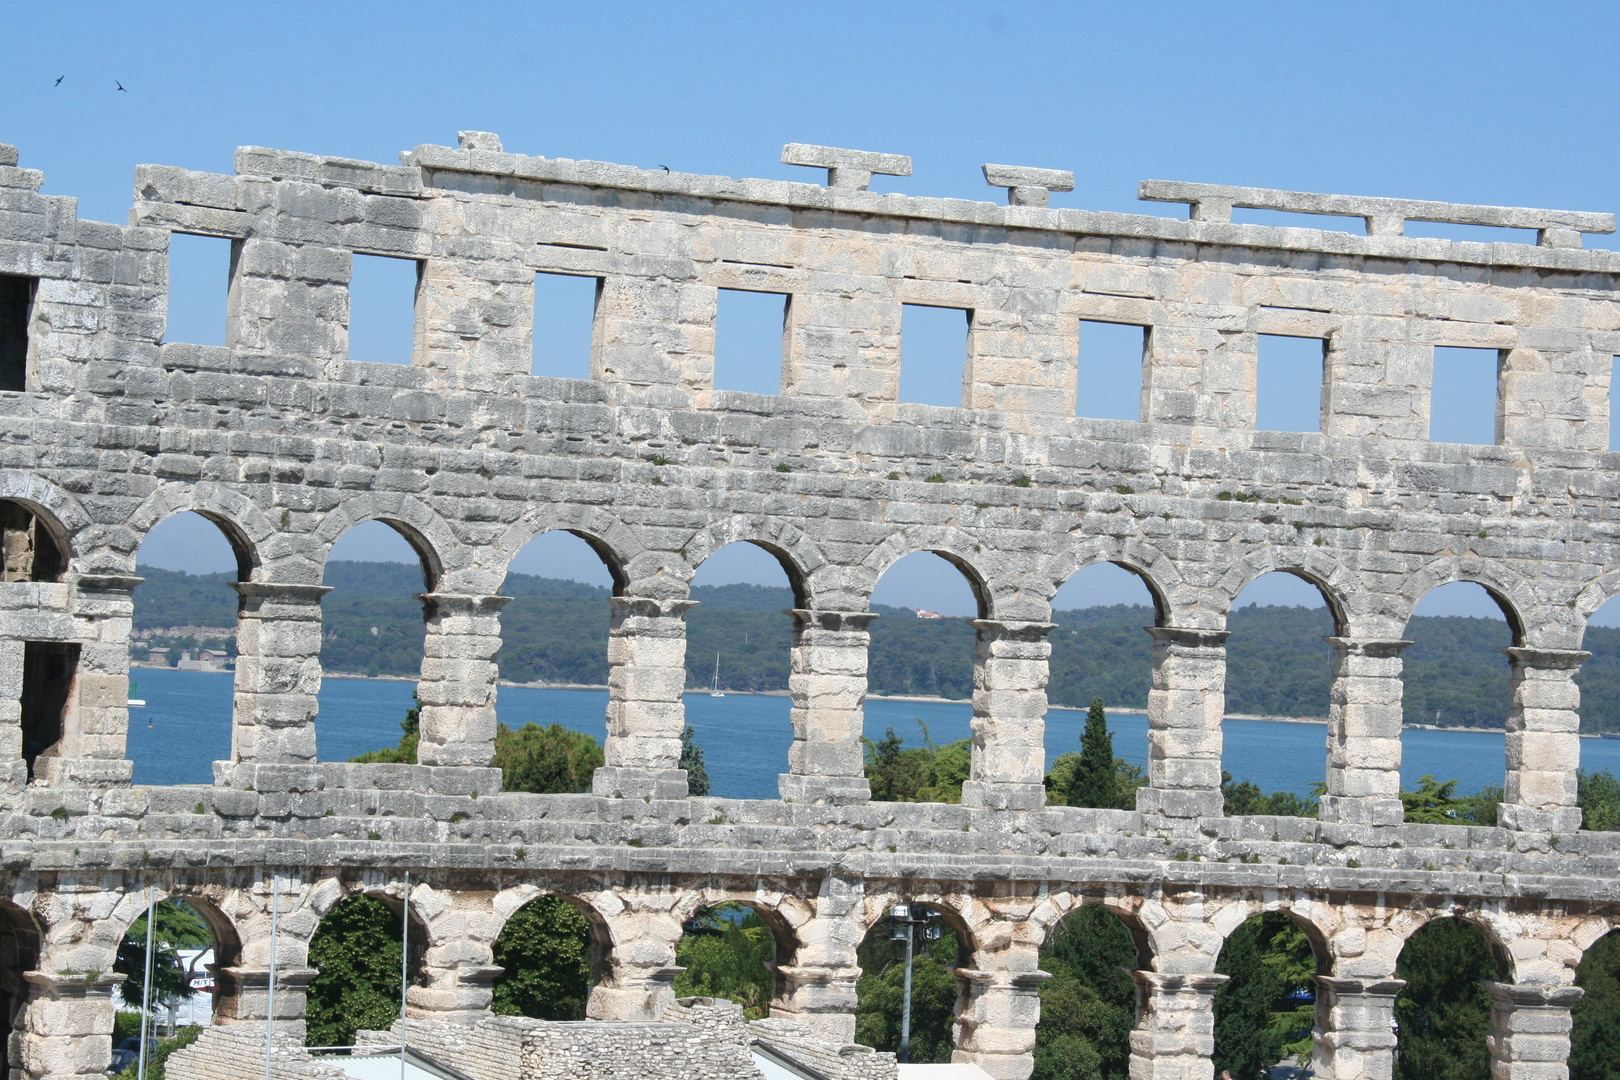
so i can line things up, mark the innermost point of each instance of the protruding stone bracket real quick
(1384, 216)
(837, 622)
(479, 140)
(1026, 186)
(278, 599)
(849, 169)
(437, 604)
(1533, 997)
(108, 583)
(1377, 649)
(8, 155)
(1179, 637)
(1546, 659)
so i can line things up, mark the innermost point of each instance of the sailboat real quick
(134, 702)
(714, 686)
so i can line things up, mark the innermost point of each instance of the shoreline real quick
(924, 699)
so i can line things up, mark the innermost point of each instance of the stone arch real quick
(1493, 926)
(951, 544)
(441, 552)
(1592, 596)
(508, 901)
(1328, 575)
(247, 529)
(20, 942)
(800, 557)
(1309, 916)
(1155, 569)
(1050, 912)
(61, 514)
(781, 910)
(615, 543)
(1510, 591)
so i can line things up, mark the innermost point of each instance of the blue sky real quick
(1467, 102)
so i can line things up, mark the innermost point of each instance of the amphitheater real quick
(285, 444)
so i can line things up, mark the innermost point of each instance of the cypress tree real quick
(1094, 784)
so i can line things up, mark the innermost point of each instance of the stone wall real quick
(285, 443)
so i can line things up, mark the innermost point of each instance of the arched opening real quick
(1099, 653)
(1594, 1041)
(183, 648)
(372, 634)
(551, 953)
(1278, 665)
(739, 640)
(1443, 1014)
(356, 952)
(731, 950)
(1598, 778)
(19, 953)
(31, 545)
(1265, 1012)
(1456, 698)
(182, 992)
(923, 650)
(1088, 1007)
(553, 663)
(939, 947)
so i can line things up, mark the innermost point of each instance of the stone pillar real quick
(241, 995)
(66, 1027)
(457, 933)
(13, 769)
(1175, 1026)
(457, 688)
(1364, 733)
(278, 672)
(996, 1030)
(1530, 1028)
(1543, 741)
(1355, 1029)
(1185, 705)
(1009, 716)
(639, 983)
(95, 727)
(820, 997)
(645, 713)
(827, 685)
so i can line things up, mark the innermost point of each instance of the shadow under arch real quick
(20, 939)
(533, 952)
(34, 545)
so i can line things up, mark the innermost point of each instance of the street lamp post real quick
(902, 927)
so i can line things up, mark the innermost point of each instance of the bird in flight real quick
(58, 81)
(119, 85)
(664, 167)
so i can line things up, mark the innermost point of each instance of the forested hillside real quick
(556, 631)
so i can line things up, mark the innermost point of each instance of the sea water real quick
(186, 726)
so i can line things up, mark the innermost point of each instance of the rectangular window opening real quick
(564, 323)
(16, 302)
(933, 354)
(382, 309)
(48, 671)
(199, 289)
(1462, 398)
(1288, 386)
(1473, 234)
(749, 333)
(1285, 219)
(1614, 428)
(1110, 377)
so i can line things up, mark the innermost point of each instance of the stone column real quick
(827, 684)
(1543, 741)
(95, 726)
(996, 1030)
(639, 982)
(1185, 705)
(13, 769)
(241, 995)
(457, 688)
(66, 1027)
(645, 713)
(820, 997)
(1364, 733)
(457, 932)
(1009, 716)
(1175, 1026)
(1355, 1031)
(1530, 1028)
(278, 672)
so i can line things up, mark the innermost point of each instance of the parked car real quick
(121, 1060)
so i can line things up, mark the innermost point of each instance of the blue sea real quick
(186, 726)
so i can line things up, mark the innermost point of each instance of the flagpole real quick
(270, 996)
(146, 985)
(404, 971)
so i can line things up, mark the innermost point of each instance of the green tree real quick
(157, 1058)
(546, 760)
(1599, 800)
(1594, 1052)
(1239, 799)
(880, 993)
(1088, 1006)
(176, 925)
(1093, 782)
(357, 951)
(925, 773)
(1257, 1024)
(1443, 1011)
(697, 776)
(725, 950)
(545, 949)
